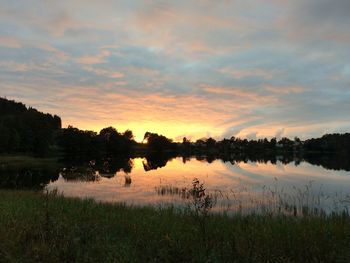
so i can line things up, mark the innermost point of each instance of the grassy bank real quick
(26, 160)
(48, 228)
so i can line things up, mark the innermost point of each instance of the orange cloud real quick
(285, 89)
(243, 73)
(173, 116)
(10, 42)
(14, 66)
(239, 94)
(96, 59)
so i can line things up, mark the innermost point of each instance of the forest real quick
(25, 130)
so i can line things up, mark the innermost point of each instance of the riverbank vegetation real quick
(39, 227)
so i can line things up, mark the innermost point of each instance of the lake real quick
(235, 186)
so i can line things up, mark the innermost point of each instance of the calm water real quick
(238, 186)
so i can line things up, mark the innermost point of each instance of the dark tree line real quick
(159, 143)
(330, 143)
(239, 146)
(88, 144)
(26, 130)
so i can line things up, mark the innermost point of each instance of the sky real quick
(194, 68)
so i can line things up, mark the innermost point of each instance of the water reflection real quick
(155, 161)
(235, 184)
(127, 182)
(164, 190)
(80, 174)
(27, 177)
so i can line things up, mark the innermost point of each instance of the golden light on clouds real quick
(175, 130)
(173, 116)
(181, 68)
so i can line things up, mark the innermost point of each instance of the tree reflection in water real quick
(36, 177)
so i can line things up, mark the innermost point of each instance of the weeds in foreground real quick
(275, 200)
(50, 228)
(202, 204)
(202, 201)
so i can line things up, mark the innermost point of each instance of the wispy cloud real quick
(183, 68)
(94, 59)
(285, 89)
(10, 42)
(245, 73)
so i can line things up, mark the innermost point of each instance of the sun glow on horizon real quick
(175, 131)
(189, 68)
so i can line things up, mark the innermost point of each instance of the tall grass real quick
(47, 227)
(267, 200)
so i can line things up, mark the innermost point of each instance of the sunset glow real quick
(194, 68)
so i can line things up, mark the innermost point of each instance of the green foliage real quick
(49, 228)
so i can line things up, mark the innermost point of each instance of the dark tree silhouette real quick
(158, 143)
(26, 130)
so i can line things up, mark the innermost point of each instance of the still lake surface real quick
(238, 186)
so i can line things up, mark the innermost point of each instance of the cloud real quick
(182, 68)
(237, 94)
(319, 19)
(117, 75)
(279, 133)
(244, 73)
(94, 59)
(104, 72)
(10, 42)
(285, 89)
(14, 66)
(252, 136)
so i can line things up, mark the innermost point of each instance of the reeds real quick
(274, 200)
(48, 227)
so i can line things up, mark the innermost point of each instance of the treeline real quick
(88, 144)
(238, 145)
(109, 143)
(26, 130)
(331, 143)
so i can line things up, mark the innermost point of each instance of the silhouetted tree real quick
(26, 130)
(77, 144)
(158, 143)
(128, 135)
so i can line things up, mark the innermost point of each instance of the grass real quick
(36, 227)
(26, 161)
